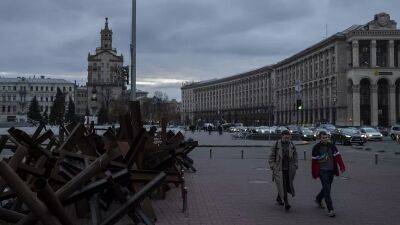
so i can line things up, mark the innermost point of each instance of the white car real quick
(371, 134)
(394, 130)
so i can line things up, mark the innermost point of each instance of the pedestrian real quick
(283, 163)
(326, 161)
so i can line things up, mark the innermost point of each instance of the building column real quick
(391, 53)
(356, 58)
(373, 53)
(392, 105)
(398, 56)
(374, 105)
(356, 105)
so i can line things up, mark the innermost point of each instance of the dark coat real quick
(337, 160)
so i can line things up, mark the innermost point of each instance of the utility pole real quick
(133, 52)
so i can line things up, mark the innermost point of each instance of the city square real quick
(207, 112)
(227, 189)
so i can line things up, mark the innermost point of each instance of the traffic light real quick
(299, 104)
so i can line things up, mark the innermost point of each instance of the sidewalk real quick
(230, 190)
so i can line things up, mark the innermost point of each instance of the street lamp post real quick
(133, 52)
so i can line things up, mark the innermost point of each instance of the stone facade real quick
(16, 95)
(81, 101)
(350, 78)
(104, 85)
(242, 97)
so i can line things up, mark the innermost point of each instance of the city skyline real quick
(177, 41)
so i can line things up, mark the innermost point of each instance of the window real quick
(9, 109)
(63, 89)
(47, 99)
(51, 98)
(3, 108)
(37, 88)
(15, 88)
(70, 88)
(52, 88)
(47, 88)
(31, 88)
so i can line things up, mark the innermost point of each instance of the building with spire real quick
(104, 82)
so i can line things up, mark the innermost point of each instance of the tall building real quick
(244, 97)
(350, 78)
(16, 95)
(104, 83)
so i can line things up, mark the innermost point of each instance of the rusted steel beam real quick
(26, 195)
(94, 168)
(136, 147)
(38, 130)
(134, 200)
(10, 215)
(18, 156)
(3, 142)
(39, 172)
(121, 194)
(95, 209)
(42, 138)
(96, 186)
(47, 195)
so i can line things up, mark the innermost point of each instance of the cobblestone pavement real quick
(229, 190)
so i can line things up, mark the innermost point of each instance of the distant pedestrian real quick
(220, 130)
(326, 161)
(209, 128)
(283, 163)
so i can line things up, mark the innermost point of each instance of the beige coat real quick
(275, 163)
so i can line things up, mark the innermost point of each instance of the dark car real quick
(294, 129)
(306, 134)
(383, 130)
(347, 136)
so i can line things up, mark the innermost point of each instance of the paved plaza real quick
(229, 190)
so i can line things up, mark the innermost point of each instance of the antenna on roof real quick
(326, 30)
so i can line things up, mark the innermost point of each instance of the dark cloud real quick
(177, 40)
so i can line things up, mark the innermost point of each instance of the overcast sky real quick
(177, 40)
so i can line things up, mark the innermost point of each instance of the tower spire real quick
(106, 24)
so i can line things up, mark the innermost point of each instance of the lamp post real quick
(334, 110)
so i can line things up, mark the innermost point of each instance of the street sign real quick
(297, 88)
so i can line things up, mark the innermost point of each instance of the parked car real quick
(371, 134)
(294, 129)
(394, 131)
(347, 136)
(328, 127)
(306, 134)
(317, 132)
(279, 129)
(384, 130)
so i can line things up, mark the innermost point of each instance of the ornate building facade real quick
(350, 78)
(104, 83)
(243, 97)
(16, 95)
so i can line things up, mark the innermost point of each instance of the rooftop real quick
(34, 80)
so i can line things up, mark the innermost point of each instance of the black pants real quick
(326, 177)
(286, 187)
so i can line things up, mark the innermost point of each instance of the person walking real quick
(326, 161)
(283, 163)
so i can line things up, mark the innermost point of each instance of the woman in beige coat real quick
(283, 163)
